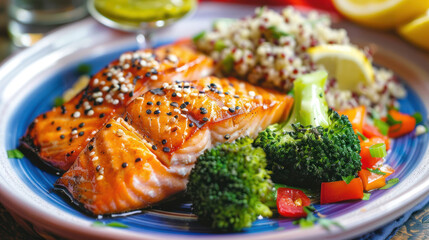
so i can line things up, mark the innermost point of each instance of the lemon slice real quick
(346, 63)
(381, 14)
(417, 31)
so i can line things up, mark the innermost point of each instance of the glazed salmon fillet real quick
(58, 136)
(146, 155)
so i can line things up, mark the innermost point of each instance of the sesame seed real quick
(191, 124)
(237, 107)
(98, 168)
(149, 103)
(99, 100)
(124, 165)
(90, 112)
(81, 133)
(166, 149)
(58, 128)
(154, 77)
(158, 103)
(227, 136)
(179, 94)
(101, 115)
(105, 89)
(157, 111)
(81, 125)
(251, 93)
(100, 177)
(182, 106)
(91, 153)
(205, 119)
(108, 125)
(76, 114)
(174, 94)
(148, 111)
(174, 104)
(120, 133)
(177, 110)
(225, 108)
(95, 158)
(90, 147)
(138, 159)
(203, 111)
(154, 147)
(115, 102)
(226, 93)
(236, 96)
(232, 110)
(74, 132)
(62, 136)
(164, 141)
(169, 113)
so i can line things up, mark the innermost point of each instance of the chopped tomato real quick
(406, 124)
(341, 191)
(291, 202)
(356, 117)
(367, 160)
(372, 180)
(370, 131)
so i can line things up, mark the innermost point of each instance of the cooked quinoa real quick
(270, 49)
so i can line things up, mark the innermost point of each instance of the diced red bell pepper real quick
(338, 191)
(356, 117)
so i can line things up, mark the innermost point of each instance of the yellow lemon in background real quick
(346, 63)
(381, 14)
(417, 31)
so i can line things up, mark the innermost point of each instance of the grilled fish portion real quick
(58, 136)
(146, 155)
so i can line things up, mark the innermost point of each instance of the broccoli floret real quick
(229, 185)
(316, 144)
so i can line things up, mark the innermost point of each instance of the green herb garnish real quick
(219, 45)
(376, 171)
(378, 150)
(311, 219)
(390, 183)
(111, 224)
(382, 126)
(14, 153)
(58, 101)
(348, 179)
(276, 33)
(199, 36)
(361, 136)
(366, 196)
(84, 68)
(418, 116)
(391, 121)
(228, 64)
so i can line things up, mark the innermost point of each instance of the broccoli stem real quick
(310, 106)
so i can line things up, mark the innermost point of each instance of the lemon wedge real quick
(381, 14)
(417, 31)
(346, 63)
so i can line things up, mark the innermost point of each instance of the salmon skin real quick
(145, 156)
(58, 136)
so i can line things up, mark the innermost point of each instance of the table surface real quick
(417, 227)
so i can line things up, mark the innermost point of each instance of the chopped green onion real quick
(391, 121)
(348, 179)
(366, 196)
(376, 171)
(58, 101)
(378, 150)
(219, 45)
(382, 126)
(361, 136)
(418, 116)
(199, 36)
(390, 183)
(326, 223)
(228, 64)
(14, 153)
(84, 68)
